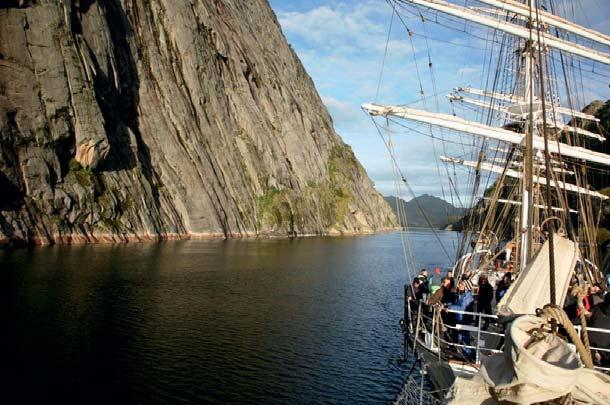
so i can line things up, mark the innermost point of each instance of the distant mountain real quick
(439, 212)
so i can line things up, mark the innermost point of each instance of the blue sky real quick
(342, 45)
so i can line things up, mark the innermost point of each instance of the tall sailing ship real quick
(529, 149)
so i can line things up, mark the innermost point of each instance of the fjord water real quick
(311, 320)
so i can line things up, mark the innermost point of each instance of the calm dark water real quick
(247, 321)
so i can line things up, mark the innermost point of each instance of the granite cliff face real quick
(146, 119)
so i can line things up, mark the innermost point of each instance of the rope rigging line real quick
(497, 80)
(437, 105)
(410, 190)
(385, 54)
(437, 17)
(404, 240)
(423, 100)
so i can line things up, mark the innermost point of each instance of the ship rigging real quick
(531, 154)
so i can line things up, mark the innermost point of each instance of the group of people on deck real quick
(462, 295)
(466, 296)
(450, 293)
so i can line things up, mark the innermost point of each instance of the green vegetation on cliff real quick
(328, 199)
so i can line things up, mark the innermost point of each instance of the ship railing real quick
(428, 324)
(474, 329)
(421, 325)
(595, 348)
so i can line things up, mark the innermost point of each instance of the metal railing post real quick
(417, 326)
(421, 385)
(433, 324)
(410, 324)
(478, 339)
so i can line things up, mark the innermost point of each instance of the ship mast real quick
(527, 215)
(525, 109)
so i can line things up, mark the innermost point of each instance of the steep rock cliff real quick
(146, 119)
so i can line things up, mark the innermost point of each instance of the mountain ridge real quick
(439, 212)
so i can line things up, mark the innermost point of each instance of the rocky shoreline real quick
(143, 238)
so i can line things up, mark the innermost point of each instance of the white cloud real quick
(328, 28)
(468, 70)
(343, 113)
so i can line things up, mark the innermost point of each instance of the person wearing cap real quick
(424, 286)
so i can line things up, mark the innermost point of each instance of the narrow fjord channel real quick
(311, 320)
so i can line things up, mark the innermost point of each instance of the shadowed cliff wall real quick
(145, 119)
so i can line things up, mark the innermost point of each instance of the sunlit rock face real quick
(146, 119)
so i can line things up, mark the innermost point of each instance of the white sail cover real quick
(531, 289)
(531, 371)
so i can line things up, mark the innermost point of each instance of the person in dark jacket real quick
(596, 294)
(424, 286)
(449, 292)
(413, 296)
(503, 286)
(600, 318)
(486, 295)
(414, 291)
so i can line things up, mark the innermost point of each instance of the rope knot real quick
(552, 311)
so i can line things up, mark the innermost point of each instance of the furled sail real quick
(522, 109)
(492, 94)
(532, 370)
(518, 175)
(579, 131)
(512, 202)
(476, 128)
(530, 291)
(517, 30)
(550, 19)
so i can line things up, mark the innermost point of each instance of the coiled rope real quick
(557, 313)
